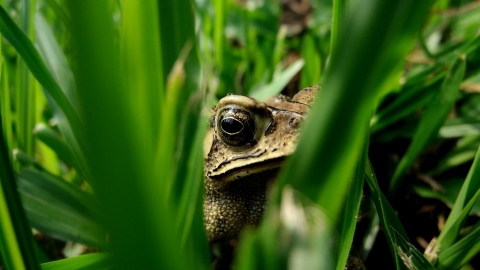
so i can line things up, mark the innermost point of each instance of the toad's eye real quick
(236, 127)
(231, 125)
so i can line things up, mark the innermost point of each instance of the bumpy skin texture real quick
(244, 149)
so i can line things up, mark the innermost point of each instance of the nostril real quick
(293, 122)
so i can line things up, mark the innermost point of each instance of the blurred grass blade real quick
(338, 19)
(120, 133)
(57, 66)
(56, 143)
(59, 209)
(22, 252)
(370, 51)
(25, 94)
(312, 70)
(349, 215)
(34, 62)
(278, 83)
(10, 253)
(295, 235)
(83, 262)
(139, 35)
(5, 108)
(176, 28)
(388, 219)
(432, 119)
(55, 60)
(462, 251)
(459, 127)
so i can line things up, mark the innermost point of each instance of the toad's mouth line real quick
(249, 169)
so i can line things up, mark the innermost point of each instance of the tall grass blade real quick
(5, 108)
(36, 66)
(140, 48)
(25, 86)
(349, 215)
(120, 135)
(400, 248)
(461, 252)
(278, 83)
(10, 251)
(371, 46)
(56, 143)
(13, 217)
(338, 19)
(433, 118)
(466, 198)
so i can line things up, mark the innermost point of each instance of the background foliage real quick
(103, 109)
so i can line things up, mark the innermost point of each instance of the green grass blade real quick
(140, 34)
(371, 47)
(176, 28)
(278, 83)
(338, 19)
(119, 135)
(386, 214)
(417, 90)
(11, 200)
(36, 65)
(25, 94)
(462, 251)
(403, 252)
(9, 248)
(83, 262)
(218, 32)
(59, 209)
(459, 127)
(312, 69)
(433, 118)
(57, 65)
(410, 256)
(464, 151)
(56, 143)
(5, 108)
(55, 60)
(462, 206)
(348, 218)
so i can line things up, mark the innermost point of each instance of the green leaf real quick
(57, 208)
(56, 143)
(15, 230)
(58, 67)
(278, 83)
(371, 48)
(348, 218)
(462, 251)
(338, 19)
(432, 119)
(130, 169)
(312, 70)
(459, 127)
(463, 204)
(89, 261)
(464, 151)
(388, 219)
(36, 66)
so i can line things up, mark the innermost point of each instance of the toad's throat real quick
(248, 169)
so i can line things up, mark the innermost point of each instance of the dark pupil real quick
(231, 125)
